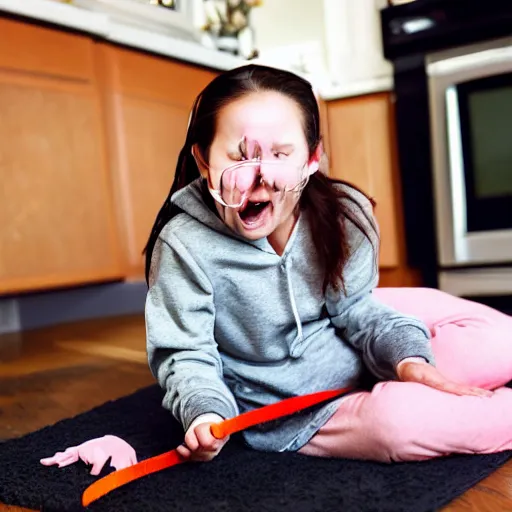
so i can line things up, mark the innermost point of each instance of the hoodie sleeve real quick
(382, 335)
(182, 351)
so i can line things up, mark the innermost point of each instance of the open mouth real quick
(253, 211)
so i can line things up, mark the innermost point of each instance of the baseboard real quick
(9, 316)
(38, 310)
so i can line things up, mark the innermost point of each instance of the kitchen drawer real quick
(35, 49)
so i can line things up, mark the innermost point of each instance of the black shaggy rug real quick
(238, 480)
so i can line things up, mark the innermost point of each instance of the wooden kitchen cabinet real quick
(362, 151)
(56, 211)
(147, 102)
(90, 135)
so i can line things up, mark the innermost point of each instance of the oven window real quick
(485, 108)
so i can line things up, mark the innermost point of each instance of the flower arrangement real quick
(228, 26)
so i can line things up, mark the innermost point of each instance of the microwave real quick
(470, 107)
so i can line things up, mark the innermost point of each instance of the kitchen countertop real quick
(357, 88)
(102, 26)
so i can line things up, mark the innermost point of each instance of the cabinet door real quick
(361, 152)
(147, 105)
(56, 214)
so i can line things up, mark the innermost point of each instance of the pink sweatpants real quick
(403, 421)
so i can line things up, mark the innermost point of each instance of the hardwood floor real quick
(51, 374)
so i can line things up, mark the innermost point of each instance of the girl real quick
(262, 276)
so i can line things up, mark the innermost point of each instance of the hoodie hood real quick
(191, 199)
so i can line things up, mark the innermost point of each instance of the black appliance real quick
(411, 34)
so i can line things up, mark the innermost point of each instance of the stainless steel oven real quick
(470, 104)
(452, 71)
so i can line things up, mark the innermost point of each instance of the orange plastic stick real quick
(124, 476)
(271, 412)
(219, 430)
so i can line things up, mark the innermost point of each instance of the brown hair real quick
(320, 194)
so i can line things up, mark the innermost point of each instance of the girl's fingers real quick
(430, 376)
(191, 440)
(184, 452)
(483, 392)
(460, 389)
(206, 440)
(199, 443)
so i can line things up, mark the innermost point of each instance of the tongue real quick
(252, 211)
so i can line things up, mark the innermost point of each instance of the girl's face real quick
(268, 126)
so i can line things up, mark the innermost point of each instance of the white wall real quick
(287, 29)
(340, 38)
(354, 40)
(281, 22)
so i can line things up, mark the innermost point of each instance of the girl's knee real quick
(393, 426)
(399, 442)
(427, 304)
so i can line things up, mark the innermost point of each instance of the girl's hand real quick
(200, 444)
(412, 370)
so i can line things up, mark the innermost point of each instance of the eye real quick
(237, 157)
(280, 154)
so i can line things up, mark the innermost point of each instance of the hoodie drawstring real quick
(299, 337)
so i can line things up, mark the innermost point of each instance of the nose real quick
(266, 175)
(252, 148)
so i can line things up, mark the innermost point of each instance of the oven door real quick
(470, 101)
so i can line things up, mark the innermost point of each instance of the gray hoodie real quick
(232, 326)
